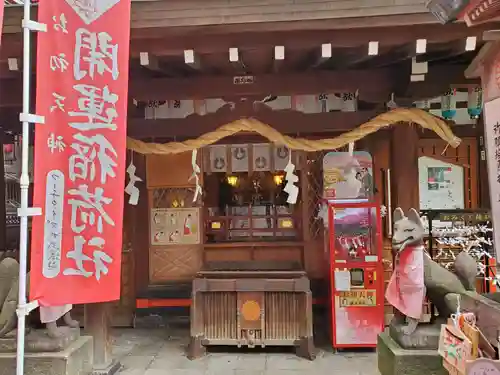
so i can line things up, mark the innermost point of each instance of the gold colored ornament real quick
(250, 310)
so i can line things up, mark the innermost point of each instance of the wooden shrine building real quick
(311, 69)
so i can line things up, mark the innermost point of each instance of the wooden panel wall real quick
(172, 173)
(174, 263)
(277, 252)
(169, 170)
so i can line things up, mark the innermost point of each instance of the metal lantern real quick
(447, 10)
(449, 104)
(9, 153)
(475, 102)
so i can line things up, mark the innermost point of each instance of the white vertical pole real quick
(24, 182)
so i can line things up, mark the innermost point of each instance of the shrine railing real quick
(252, 223)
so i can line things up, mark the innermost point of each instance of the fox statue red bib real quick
(406, 289)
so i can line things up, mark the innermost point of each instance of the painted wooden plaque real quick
(175, 226)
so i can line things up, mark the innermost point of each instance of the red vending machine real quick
(356, 273)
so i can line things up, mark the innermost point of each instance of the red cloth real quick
(406, 289)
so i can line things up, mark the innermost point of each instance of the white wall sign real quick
(441, 185)
(492, 136)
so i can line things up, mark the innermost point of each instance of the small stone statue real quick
(9, 288)
(416, 275)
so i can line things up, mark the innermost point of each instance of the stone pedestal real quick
(77, 358)
(394, 360)
(38, 341)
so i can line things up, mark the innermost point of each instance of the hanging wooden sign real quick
(243, 80)
(455, 348)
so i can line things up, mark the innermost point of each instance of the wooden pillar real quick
(139, 228)
(3, 210)
(404, 167)
(98, 325)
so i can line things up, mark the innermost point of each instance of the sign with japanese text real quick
(82, 83)
(492, 137)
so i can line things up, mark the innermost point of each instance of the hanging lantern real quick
(475, 102)
(446, 10)
(9, 153)
(449, 104)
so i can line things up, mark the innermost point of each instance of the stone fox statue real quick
(416, 275)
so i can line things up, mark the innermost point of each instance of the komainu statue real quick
(9, 289)
(416, 276)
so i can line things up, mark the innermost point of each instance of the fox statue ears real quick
(413, 215)
(398, 214)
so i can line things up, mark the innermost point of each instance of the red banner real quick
(82, 84)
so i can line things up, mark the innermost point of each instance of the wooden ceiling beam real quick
(192, 59)
(174, 45)
(374, 85)
(278, 58)
(372, 81)
(150, 62)
(234, 55)
(322, 55)
(285, 121)
(173, 41)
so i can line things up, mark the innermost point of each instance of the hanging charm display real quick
(475, 102)
(291, 179)
(196, 175)
(449, 104)
(131, 189)
(423, 104)
(351, 149)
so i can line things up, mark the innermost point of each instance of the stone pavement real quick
(156, 352)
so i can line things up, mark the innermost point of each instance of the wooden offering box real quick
(251, 304)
